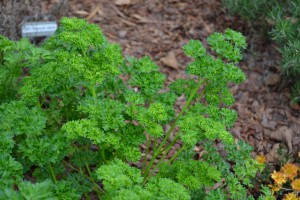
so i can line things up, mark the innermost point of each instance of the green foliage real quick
(124, 182)
(286, 21)
(250, 9)
(228, 45)
(80, 182)
(284, 18)
(216, 194)
(144, 74)
(191, 173)
(239, 176)
(286, 33)
(266, 194)
(13, 58)
(41, 191)
(65, 190)
(28, 190)
(296, 92)
(74, 111)
(17, 118)
(118, 175)
(163, 188)
(290, 58)
(11, 171)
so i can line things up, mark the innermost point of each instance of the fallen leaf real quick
(140, 18)
(244, 98)
(285, 135)
(272, 79)
(122, 33)
(170, 60)
(122, 2)
(215, 186)
(236, 132)
(272, 155)
(81, 12)
(93, 13)
(265, 122)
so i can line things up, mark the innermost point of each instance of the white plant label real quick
(38, 29)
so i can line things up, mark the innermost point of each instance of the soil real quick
(267, 119)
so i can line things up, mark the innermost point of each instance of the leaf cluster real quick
(124, 182)
(239, 175)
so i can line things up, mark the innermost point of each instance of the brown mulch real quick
(267, 120)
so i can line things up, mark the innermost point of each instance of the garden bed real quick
(267, 120)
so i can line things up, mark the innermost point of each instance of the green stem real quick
(86, 196)
(168, 147)
(103, 155)
(164, 155)
(93, 181)
(177, 153)
(52, 173)
(80, 171)
(9, 78)
(154, 144)
(156, 153)
(38, 104)
(71, 166)
(147, 152)
(88, 170)
(165, 152)
(93, 90)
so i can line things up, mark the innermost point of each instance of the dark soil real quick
(267, 119)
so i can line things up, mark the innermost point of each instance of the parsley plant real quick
(74, 112)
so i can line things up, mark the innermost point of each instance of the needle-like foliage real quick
(283, 18)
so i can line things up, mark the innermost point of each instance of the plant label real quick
(39, 29)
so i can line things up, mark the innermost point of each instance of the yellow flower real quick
(290, 196)
(278, 177)
(261, 159)
(290, 170)
(296, 184)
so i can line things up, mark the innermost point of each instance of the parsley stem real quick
(52, 173)
(103, 155)
(86, 196)
(10, 84)
(147, 152)
(167, 148)
(165, 152)
(93, 91)
(88, 177)
(158, 150)
(154, 144)
(177, 153)
(93, 181)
